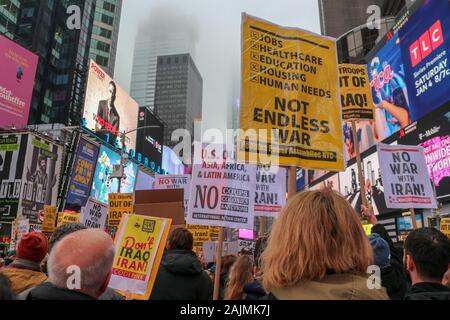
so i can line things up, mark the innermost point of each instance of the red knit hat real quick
(33, 247)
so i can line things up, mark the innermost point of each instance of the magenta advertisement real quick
(18, 68)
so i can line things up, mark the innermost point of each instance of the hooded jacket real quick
(332, 287)
(23, 275)
(428, 291)
(181, 277)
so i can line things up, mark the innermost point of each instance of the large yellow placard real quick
(290, 104)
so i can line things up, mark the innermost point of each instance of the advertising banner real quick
(94, 214)
(405, 177)
(433, 134)
(49, 224)
(103, 185)
(108, 109)
(270, 193)
(175, 182)
(40, 180)
(18, 70)
(140, 244)
(222, 192)
(119, 205)
(13, 149)
(290, 106)
(356, 94)
(82, 175)
(150, 141)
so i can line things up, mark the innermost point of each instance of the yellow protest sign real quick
(199, 233)
(119, 204)
(290, 104)
(48, 225)
(139, 244)
(367, 229)
(356, 94)
(445, 226)
(68, 217)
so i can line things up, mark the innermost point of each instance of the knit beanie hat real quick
(32, 247)
(381, 251)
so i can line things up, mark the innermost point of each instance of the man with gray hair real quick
(79, 267)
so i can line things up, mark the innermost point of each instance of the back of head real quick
(33, 247)
(227, 263)
(63, 231)
(381, 250)
(88, 254)
(241, 273)
(317, 233)
(430, 251)
(181, 239)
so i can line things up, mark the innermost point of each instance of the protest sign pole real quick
(362, 183)
(262, 226)
(218, 265)
(292, 182)
(413, 218)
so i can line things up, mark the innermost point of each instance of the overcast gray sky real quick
(217, 26)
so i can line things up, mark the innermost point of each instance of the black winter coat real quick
(47, 291)
(254, 291)
(393, 277)
(428, 291)
(181, 277)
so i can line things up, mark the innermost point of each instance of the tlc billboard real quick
(410, 75)
(18, 70)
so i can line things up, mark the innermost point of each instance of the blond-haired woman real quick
(318, 250)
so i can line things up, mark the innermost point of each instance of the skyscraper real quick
(105, 34)
(42, 27)
(9, 11)
(178, 94)
(146, 52)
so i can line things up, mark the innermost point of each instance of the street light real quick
(118, 171)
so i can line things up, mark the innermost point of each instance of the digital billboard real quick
(103, 185)
(433, 134)
(108, 109)
(13, 149)
(40, 179)
(18, 70)
(82, 175)
(149, 148)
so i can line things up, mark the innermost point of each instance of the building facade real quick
(178, 94)
(9, 12)
(105, 33)
(145, 61)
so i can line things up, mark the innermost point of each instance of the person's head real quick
(112, 90)
(88, 253)
(6, 293)
(32, 247)
(318, 232)
(43, 164)
(381, 251)
(241, 273)
(63, 231)
(427, 255)
(227, 263)
(180, 239)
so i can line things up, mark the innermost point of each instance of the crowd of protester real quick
(316, 250)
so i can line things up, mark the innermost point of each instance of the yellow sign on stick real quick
(356, 94)
(119, 204)
(445, 226)
(290, 104)
(48, 225)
